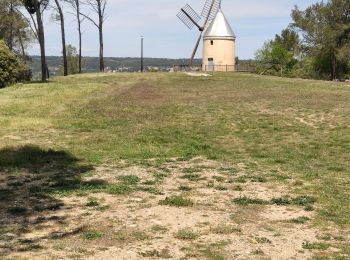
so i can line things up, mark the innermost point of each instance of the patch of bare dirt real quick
(136, 225)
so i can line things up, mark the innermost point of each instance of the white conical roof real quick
(219, 28)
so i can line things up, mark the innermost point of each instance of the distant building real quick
(219, 42)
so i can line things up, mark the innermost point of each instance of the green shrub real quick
(11, 68)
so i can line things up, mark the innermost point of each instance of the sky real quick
(253, 21)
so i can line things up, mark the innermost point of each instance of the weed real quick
(129, 179)
(92, 202)
(244, 201)
(159, 176)
(228, 170)
(303, 200)
(210, 184)
(240, 179)
(281, 201)
(225, 229)
(258, 179)
(149, 182)
(91, 235)
(152, 190)
(159, 229)
(237, 188)
(191, 170)
(176, 201)
(299, 220)
(316, 245)
(192, 177)
(185, 188)
(186, 234)
(119, 189)
(218, 178)
(124, 235)
(258, 252)
(221, 187)
(263, 240)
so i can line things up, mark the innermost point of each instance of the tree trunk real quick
(100, 30)
(334, 68)
(79, 31)
(102, 65)
(63, 36)
(11, 27)
(22, 46)
(41, 38)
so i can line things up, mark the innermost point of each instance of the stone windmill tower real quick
(219, 43)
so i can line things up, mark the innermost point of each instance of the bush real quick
(11, 68)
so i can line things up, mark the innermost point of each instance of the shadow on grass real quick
(29, 176)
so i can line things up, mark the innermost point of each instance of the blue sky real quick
(254, 22)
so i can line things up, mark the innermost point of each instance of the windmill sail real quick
(210, 9)
(189, 17)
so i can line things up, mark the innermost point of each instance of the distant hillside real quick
(91, 64)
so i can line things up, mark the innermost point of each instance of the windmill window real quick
(211, 42)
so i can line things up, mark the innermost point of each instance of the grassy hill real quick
(165, 164)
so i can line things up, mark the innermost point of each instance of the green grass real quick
(176, 201)
(91, 235)
(245, 201)
(224, 229)
(192, 177)
(129, 179)
(299, 220)
(295, 129)
(315, 246)
(186, 234)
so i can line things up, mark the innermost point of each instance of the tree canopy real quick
(325, 28)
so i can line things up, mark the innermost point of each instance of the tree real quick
(37, 7)
(325, 28)
(73, 59)
(99, 7)
(275, 56)
(11, 68)
(60, 17)
(289, 39)
(14, 28)
(75, 4)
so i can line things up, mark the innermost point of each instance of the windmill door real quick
(210, 64)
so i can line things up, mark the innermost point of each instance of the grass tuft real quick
(91, 235)
(245, 201)
(186, 234)
(176, 201)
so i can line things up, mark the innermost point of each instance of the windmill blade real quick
(195, 49)
(210, 9)
(189, 17)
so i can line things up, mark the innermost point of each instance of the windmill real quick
(191, 19)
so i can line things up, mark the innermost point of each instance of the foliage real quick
(322, 52)
(289, 39)
(275, 57)
(14, 28)
(325, 28)
(72, 59)
(11, 68)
